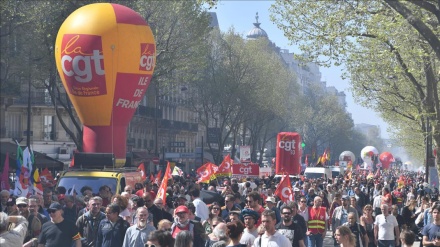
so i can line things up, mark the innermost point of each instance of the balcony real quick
(177, 125)
(149, 112)
(37, 100)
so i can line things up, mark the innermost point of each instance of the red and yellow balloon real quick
(105, 55)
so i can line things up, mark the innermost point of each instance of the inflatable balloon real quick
(367, 154)
(347, 156)
(288, 153)
(105, 54)
(386, 158)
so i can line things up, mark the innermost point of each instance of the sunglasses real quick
(150, 245)
(303, 201)
(51, 211)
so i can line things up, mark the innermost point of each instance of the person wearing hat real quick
(36, 221)
(58, 232)
(229, 206)
(183, 223)
(340, 214)
(289, 228)
(22, 205)
(250, 232)
(271, 205)
(234, 216)
(11, 206)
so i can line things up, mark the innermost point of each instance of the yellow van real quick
(116, 179)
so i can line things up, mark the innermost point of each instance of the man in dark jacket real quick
(152, 209)
(111, 231)
(88, 223)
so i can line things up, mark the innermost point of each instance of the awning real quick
(41, 160)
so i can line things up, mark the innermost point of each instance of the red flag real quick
(141, 168)
(158, 176)
(284, 190)
(377, 173)
(72, 162)
(307, 160)
(46, 177)
(225, 168)
(206, 172)
(4, 178)
(170, 173)
(162, 192)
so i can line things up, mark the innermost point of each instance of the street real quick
(328, 241)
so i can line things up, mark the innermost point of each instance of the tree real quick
(383, 52)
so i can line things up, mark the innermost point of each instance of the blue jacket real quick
(111, 236)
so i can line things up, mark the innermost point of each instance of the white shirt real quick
(386, 227)
(15, 237)
(377, 201)
(202, 210)
(276, 240)
(248, 237)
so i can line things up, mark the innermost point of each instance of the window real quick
(49, 128)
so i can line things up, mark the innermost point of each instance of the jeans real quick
(386, 243)
(315, 240)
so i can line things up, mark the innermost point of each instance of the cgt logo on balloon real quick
(147, 57)
(82, 63)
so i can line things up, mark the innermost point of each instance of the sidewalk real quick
(328, 241)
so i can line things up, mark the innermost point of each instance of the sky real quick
(241, 15)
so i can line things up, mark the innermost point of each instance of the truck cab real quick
(318, 172)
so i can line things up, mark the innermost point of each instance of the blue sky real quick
(241, 15)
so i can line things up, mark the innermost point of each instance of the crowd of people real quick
(393, 209)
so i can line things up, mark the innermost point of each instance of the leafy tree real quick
(383, 52)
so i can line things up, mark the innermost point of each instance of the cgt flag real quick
(141, 169)
(206, 172)
(284, 190)
(162, 192)
(225, 168)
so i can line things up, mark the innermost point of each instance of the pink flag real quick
(4, 178)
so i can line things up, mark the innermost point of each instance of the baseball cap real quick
(270, 199)
(21, 200)
(182, 209)
(237, 212)
(296, 189)
(345, 197)
(10, 202)
(55, 206)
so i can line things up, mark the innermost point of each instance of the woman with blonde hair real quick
(123, 204)
(367, 221)
(164, 225)
(345, 237)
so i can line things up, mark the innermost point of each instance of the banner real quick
(177, 172)
(265, 171)
(38, 187)
(288, 153)
(242, 171)
(245, 154)
(46, 178)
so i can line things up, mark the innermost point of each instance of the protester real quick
(270, 237)
(386, 229)
(201, 209)
(137, 235)
(218, 234)
(160, 238)
(229, 206)
(250, 231)
(111, 231)
(234, 232)
(367, 221)
(431, 231)
(36, 221)
(15, 236)
(253, 202)
(183, 223)
(345, 237)
(289, 228)
(59, 232)
(164, 225)
(358, 230)
(88, 223)
(215, 211)
(407, 238)
(184, 239)
(4, 197)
